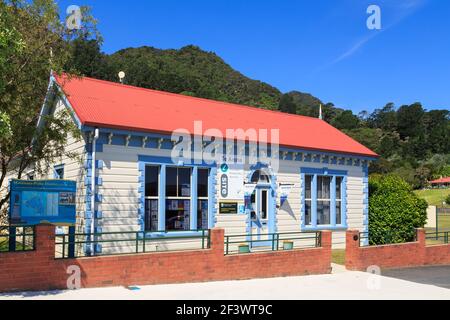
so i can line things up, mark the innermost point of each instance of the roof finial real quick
(320, 112)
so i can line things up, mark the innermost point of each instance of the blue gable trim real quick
(53, 86)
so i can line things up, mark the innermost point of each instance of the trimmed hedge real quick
(394, 210)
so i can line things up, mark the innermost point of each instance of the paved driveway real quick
(436, 276)
(341, 285)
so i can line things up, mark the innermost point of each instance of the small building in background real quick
(441, 183)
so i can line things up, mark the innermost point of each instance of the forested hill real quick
(413, 142)
(189, 71)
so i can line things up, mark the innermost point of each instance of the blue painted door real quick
(260, 218)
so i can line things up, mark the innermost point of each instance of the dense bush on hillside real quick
(394, 210)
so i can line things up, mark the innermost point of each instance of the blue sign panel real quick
(35, 202)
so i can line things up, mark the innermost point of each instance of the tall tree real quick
(384, 118)
(410, 122)
(38, 30)
(346, 120)
(287, 104)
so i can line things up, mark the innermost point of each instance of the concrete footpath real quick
(341, 285)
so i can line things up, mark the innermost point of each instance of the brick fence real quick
(394, 256)
(38, 270)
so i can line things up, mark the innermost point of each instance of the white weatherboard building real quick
(128, 179)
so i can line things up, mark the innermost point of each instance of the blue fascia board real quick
(282, 149)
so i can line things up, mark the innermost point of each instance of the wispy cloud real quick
(401, 10)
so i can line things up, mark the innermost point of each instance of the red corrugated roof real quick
(442, 180)
(112, 105)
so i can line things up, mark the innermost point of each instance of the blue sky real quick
(318, 46)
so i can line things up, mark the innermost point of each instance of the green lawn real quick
(444, 222)
(434, 197)
(3, 245)
(338, 257)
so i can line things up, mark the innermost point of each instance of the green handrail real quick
(273, 238)
(138, 237)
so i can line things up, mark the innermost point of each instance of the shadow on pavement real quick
(437, 276)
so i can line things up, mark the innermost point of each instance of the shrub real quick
(394, 210)
(447, 200)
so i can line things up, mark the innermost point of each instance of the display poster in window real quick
(185, 190)
(232, 182)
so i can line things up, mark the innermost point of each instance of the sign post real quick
(36, 202)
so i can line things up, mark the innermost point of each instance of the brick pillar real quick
(217, 241)
(45, 240)
(327, 239)
(422, 240)
(422, 237)
(327, 243)
(352, 247)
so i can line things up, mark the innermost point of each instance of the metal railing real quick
(240, 244)
(437, 237)
(17, 238)
(80, 245)
(366, 239)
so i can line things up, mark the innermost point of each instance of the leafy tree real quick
(307, 105)
(437, 124)
(367, 136)
(410, 120)
(346, 120)
(86, 58)
(287, 104)
(385, 118)
(44, 46)
(11, 43)
(389, 144)
(394, 210)
(5, 125)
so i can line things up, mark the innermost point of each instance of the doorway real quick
(261, 217)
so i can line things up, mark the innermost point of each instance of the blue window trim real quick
(334, 226)
(163, 163)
